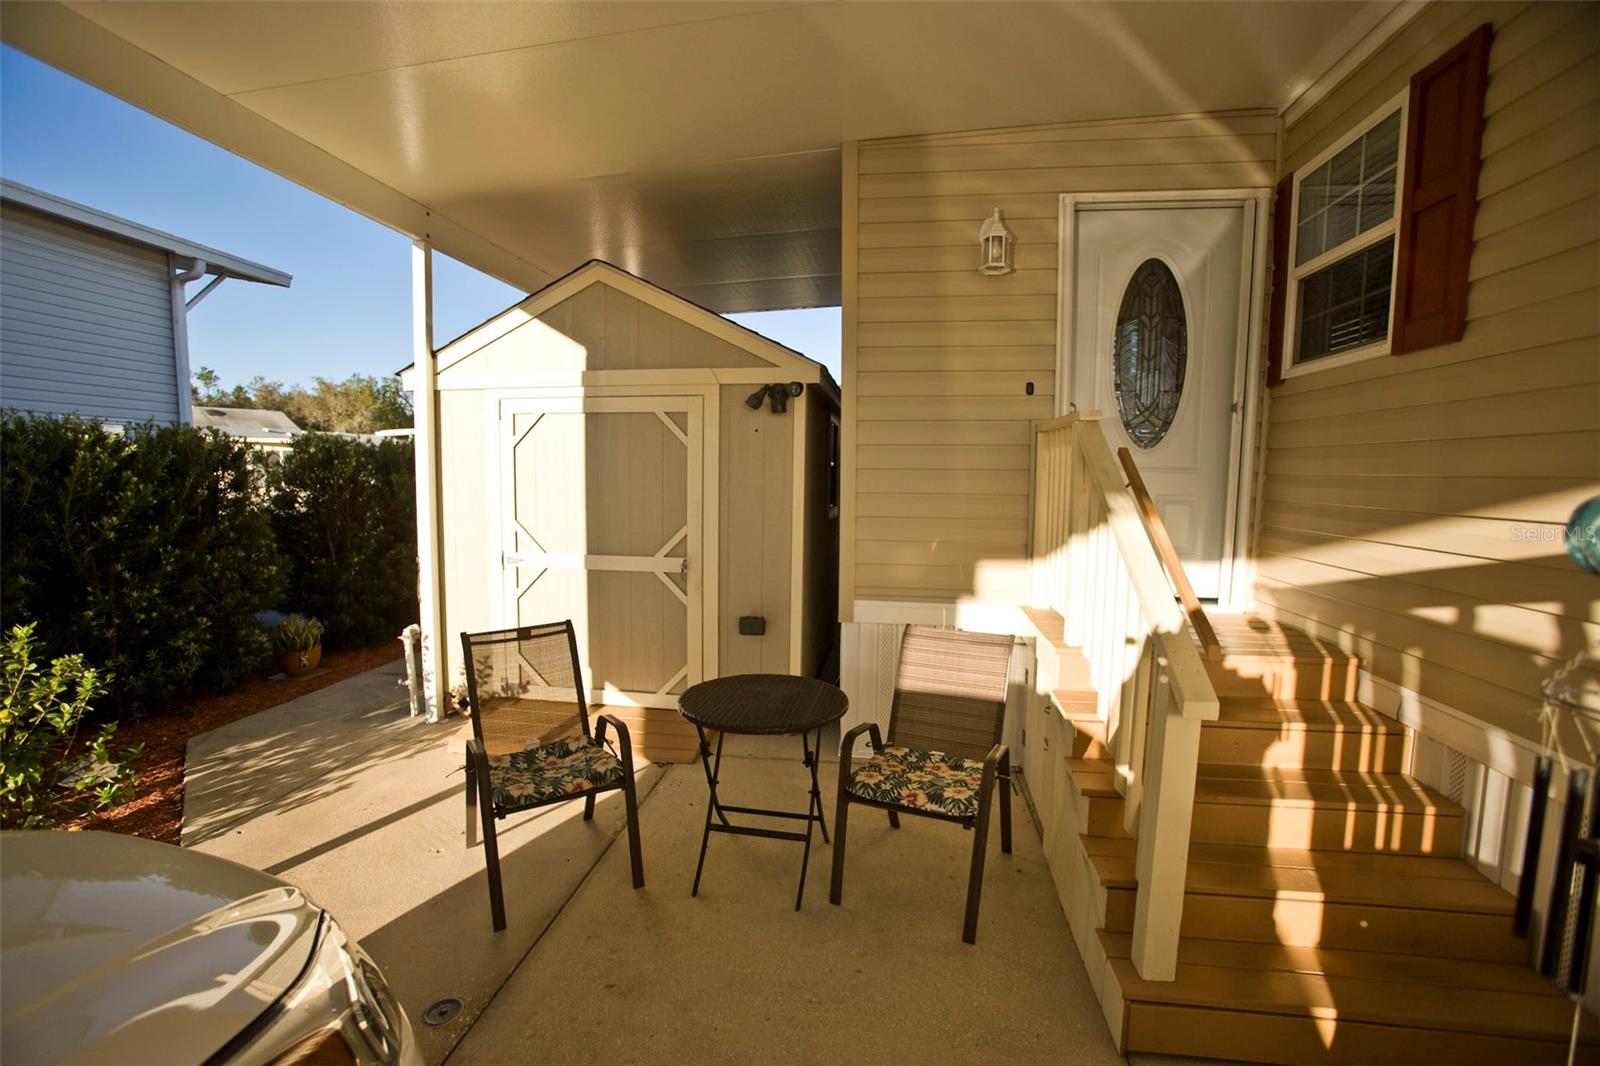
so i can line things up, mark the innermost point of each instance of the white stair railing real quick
(1095, 565)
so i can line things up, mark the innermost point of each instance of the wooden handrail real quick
(1168, 554)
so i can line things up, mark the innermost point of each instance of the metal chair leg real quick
(491, 856)
(472, 805)
(894, 820)
(1005, 803)
(980, 848)
(588, 808)
(631, 802)
(841, 818)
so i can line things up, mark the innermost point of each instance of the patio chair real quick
(531, 745)
(944, 755)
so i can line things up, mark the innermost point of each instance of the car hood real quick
(113, 948)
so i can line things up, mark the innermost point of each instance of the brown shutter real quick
(1282, 207)
(1444, 139)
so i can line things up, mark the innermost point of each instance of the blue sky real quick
(348, 310)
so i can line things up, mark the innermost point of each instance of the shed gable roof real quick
(764, 352)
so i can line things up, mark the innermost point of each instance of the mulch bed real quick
(156, 811)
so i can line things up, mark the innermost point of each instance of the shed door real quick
(600, 523)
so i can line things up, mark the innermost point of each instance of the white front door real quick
(1156, 348)
(600, 522)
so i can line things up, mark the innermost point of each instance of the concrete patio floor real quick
(343, 794)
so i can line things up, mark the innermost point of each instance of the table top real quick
(763, 704)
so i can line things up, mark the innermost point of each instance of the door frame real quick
(1249, 394)
(704, 576)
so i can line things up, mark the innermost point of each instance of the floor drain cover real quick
(442, 1011)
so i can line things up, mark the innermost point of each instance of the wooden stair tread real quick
(1351, 986)
(1094, 777)
(1543, 1015)
(1368, 887)
(1250, 637)
(1386, 866)
(1320, 715)
(1075, 704)
(1334, 962)
(1345, 790)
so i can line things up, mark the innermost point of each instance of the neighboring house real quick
(1330, 272)
(94, 311)
(271, 431)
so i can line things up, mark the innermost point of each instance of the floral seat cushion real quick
(560, 768)
(919, 780)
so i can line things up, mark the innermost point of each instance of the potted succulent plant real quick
(297, 642)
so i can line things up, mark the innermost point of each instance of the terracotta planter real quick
(300, 663)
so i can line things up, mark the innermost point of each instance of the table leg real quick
(812, 759)
(712, 807)
(815, 803)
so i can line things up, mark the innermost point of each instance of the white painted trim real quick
(430, 557)
(710, 529)
(180, 338)
(1297, 104)
(973, 617)
(800, 410)
(1255, 206)
(849, 163)
(218, 263)
(603, 273)
(1390, 230)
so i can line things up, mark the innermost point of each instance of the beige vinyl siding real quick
(939, 357)
(85, 322)
(1413, 505)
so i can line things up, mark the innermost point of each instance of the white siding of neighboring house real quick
(85, 323)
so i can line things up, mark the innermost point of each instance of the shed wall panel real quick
(1413, 505)
(85, 322)
(758, 533)
(601, 328)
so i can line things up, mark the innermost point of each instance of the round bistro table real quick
(761, 705)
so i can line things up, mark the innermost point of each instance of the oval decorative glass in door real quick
(1150, 353)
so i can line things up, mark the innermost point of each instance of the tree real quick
(358, 404)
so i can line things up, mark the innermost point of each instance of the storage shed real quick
(614, 454)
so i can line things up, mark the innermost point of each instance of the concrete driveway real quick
(343, 794)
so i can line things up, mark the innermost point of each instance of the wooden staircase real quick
(1327, 914)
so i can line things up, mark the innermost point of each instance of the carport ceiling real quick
(694, 143)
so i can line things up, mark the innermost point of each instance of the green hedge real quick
(345, 517)
(149, 553)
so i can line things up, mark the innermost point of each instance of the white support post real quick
(435, 682)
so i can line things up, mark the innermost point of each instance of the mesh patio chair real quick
(944, 755)
(531, 744)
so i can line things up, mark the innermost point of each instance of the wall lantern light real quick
(994, 246)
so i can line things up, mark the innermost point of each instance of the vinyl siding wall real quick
(85, 322)
(938, 357)
(1413, 505)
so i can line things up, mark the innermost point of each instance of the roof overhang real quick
(694, 143)
(217, 263)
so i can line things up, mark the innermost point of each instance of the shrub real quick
(147, 552)
(344, 512)
(295, 633)
(43, 761)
